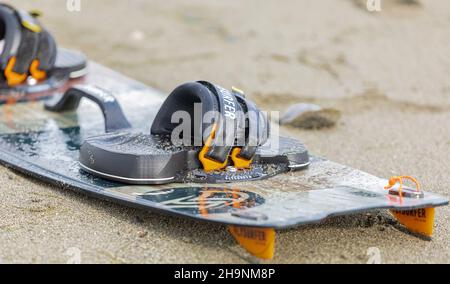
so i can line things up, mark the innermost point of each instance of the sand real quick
(386, 72)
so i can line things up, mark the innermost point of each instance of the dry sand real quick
(387, 73)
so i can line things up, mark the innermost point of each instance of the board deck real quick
(45, 145)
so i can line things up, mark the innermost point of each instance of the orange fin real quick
(419, 221)
(259, 242)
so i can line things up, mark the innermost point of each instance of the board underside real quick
(45, 145)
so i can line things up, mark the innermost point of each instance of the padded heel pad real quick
(132, 158)
(138, 158)
(283, 150)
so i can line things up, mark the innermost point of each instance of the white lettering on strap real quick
(230, 105)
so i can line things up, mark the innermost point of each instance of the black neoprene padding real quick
(258, 128)
(224, 140)
(2, 29)
(47, 51)
(27, 51)
(183, 98)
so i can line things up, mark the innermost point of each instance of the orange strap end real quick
(12, 77)
(210, 164)
(239, 162)
(35, 72)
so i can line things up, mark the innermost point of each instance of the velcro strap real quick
(47, 51)
(27, 51)
(257, 127)
(29, 42)
(230, 123)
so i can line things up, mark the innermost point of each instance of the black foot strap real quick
(29, 50)
(225, 123)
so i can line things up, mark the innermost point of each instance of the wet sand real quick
(386, 72)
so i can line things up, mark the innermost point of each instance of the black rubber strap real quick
(184, 98)
(115, 119)
(27, 51)
(251, 127)
(229, 123)
(227, 114)
(257, 127)
(47, 51)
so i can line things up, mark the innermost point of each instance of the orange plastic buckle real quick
(208, 163)
(239, 162)
(399, 179)
(35, 72)
(12, 77)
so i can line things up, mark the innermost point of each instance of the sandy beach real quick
(386, 72)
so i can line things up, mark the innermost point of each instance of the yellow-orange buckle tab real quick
(210, 164)
(239, 162)
(35, 72)
(12, 77)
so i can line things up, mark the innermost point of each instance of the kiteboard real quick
(45, 145)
